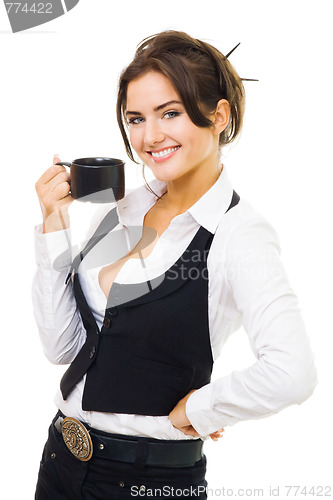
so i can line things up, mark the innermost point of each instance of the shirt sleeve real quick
(59, 322)
(284, 372)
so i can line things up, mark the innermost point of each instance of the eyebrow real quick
(158, 108)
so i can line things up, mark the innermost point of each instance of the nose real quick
(153, 133)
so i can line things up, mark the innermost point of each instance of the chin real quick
(160, 176)
(164, 177)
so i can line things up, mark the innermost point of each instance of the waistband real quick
(85, 442)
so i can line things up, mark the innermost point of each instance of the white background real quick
(58, 87)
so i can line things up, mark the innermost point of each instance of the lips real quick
(163, 153)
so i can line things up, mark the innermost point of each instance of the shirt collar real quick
(134, 206)
(207, 211)
(210, 208)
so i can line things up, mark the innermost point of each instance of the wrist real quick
(56, 221)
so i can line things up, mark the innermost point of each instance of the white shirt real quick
(247, 285)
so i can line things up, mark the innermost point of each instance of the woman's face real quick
(161, 132)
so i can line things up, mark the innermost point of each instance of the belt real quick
(85, 442)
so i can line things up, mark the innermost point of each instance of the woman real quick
(141, 361)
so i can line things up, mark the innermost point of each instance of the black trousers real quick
(62, 476)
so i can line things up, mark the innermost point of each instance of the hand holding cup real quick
(53, 190)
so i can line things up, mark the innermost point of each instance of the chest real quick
(156, 221)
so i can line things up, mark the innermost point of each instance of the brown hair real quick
(200, 73)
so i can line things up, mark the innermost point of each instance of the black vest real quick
(154, 346)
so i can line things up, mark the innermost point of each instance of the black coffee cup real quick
(98, 180)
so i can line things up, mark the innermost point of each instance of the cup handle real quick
(64, 163)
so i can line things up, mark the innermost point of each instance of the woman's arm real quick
(60, 326)
(284, 372)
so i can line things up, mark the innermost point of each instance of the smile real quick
(164, 152)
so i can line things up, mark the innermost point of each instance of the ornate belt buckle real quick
(77, 439)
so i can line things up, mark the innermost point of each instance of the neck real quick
(183, 193)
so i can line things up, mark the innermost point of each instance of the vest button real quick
(113, 311)
(107, 322)
(92, 352)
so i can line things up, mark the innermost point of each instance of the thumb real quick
(56, 158)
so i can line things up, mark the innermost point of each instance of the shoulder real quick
(242, 230)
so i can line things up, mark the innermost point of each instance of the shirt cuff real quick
(200, 413)
(53, 250)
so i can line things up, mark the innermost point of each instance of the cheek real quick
(201, 140)
(134, 137)
(185, 132)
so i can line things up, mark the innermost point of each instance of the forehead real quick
(150, 90)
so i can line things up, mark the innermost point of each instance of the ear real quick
(221, 116)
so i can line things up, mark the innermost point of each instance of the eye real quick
(171, 114)
(135, 121)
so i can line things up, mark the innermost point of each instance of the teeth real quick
(165, 152)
